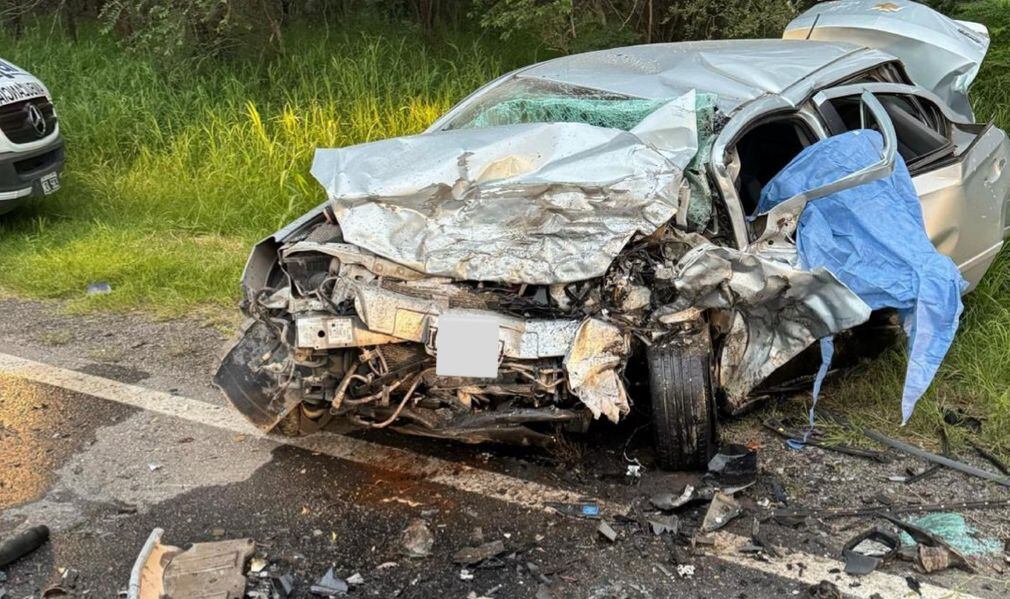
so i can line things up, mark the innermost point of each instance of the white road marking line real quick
(458, 476)
(489, 484)
(811, 569)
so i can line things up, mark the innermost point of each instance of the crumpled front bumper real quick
(593, 350)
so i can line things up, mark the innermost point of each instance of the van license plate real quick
(50, 183)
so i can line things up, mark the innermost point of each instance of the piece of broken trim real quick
(779, 428)
(860, 563)
(469, 556)
(908, 508)
(722, 509)
(664, 524)
(921, 453)
(22, 544)
(204, 569)
(329, 584)
(606, 531)
(734, 465)
(668, 502)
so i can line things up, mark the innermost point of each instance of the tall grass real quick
(172, 175)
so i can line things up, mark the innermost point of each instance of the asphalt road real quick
(103, 466)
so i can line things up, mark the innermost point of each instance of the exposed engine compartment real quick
(338, 332)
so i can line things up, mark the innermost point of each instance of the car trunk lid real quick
(939, 53)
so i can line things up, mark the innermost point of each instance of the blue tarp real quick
(872, 237)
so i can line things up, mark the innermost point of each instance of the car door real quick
(959, 170)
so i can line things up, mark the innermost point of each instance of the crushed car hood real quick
(940, 53)
(537, 203)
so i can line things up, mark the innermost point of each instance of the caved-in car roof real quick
(736, 70)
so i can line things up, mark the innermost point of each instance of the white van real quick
(31, 148)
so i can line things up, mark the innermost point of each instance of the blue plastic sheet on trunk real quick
(872, 237)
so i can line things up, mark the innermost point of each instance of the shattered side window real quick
(524, 100)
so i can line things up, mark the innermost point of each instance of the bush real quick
(190, 29)
(575, 25)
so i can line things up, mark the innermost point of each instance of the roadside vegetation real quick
(184, 150)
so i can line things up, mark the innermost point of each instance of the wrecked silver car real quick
(593, 219)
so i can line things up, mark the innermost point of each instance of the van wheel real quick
(683, 402)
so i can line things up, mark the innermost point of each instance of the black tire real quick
(683, 402)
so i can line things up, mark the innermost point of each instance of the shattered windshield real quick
(523, 100)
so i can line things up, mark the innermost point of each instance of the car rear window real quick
(523, 100)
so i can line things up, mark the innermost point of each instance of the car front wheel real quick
(683, 403)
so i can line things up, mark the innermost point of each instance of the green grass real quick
(172, 176)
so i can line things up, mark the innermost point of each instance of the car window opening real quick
(921, 134)
(763, 152)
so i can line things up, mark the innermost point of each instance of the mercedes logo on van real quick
(33, 116)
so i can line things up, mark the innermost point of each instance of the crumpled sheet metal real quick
(780, 309)
(536, 203)
(940, 53)
(597, 352)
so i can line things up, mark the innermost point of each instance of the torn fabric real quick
(872, 237)
(539, 203)
(780, 309)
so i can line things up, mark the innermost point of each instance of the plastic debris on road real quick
(872, 237)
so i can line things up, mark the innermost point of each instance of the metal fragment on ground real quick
(257, 565)
(669, 502)
(606, 531)
(734, 465)
(664, 524)
(282, 586)
(868, 550)
(329, 584)
(417, 539)
(474, 555)
(722, 509)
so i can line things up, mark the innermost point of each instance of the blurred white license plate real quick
(50, 183)
(467, 345)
